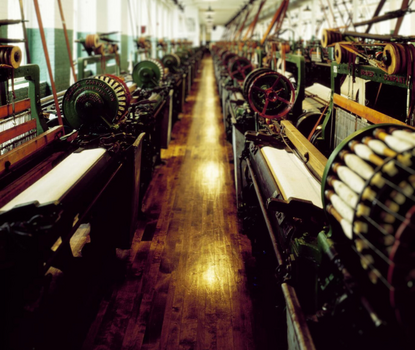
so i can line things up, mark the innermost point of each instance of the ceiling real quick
(224, 10)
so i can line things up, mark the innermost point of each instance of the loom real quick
(332, 227)
(90, 177)
(340, 230)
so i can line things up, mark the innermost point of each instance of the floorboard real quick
(185, 285)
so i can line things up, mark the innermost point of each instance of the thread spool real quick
(10, 55)
(91, 41)
(385, 200)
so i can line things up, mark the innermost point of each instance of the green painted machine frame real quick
(84, 62)
(299, 62)
(31, 74)
(361, 71)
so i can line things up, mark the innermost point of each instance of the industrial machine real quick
(103, 56)
(52, 183)
(176, 78)
(323, 144)
(334, 229)
(331, 226)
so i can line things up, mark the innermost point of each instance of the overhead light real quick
(209, 12)
(307, 9)
(209, 19)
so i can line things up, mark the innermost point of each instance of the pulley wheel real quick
(330, 37)
(95, 100)
(340, 53)
(226, 58)
(148, 73)
(184, 55)
(306, 122)
(223, 53)
(271, 95)
(10, 55)
(171, 61)
(122, 91)
(239, 68)
(392, 58)
(250, 78)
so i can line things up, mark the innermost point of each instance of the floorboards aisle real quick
(185, 285)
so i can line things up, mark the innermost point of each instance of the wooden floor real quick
(185, 285)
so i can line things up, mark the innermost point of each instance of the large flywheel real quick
(227, 57)
(171, 61)
(239, 68)
(101, 100)
(271, 95)
(148, 74)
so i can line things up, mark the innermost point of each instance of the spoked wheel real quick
(227, 57)
(239, 68)
(271, 95)
(250, 78)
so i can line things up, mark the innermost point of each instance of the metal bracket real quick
(264, 139)
(295, 207)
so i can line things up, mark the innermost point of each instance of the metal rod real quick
(67, 40)
(50, 97)
(265, 214)
(7, 40)
(296, 315)
(45, 49)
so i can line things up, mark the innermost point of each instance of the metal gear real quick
(148, 73)
(104, 99)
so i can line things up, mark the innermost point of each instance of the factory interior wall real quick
(83, 17)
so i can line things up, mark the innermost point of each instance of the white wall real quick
(192, 25)
(216, 34)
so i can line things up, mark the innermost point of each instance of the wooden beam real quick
(252, 26)
(316, 159)
(17, 130)
(377, 11)
(377, 19)
(399, 21)
(19, 106)
(10, 159)
(370, 114)
(278, 17)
